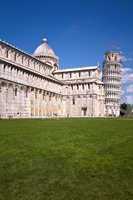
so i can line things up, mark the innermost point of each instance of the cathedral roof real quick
(78, 69)
(44, 50)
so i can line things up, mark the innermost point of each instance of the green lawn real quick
(66, 159)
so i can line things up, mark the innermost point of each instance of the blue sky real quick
(80, 31)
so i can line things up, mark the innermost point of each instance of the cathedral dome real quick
(44, 50)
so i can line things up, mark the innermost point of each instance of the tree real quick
(123, 109)
(126, 110)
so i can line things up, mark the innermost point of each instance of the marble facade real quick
(33, 86)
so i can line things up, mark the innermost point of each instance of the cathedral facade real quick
(34, 86)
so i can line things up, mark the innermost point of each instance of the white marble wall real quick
(26, 91)
(18, 57)
(82, 100)
(29, 89)
(84, 93)
(112, 83)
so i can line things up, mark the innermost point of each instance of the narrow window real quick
(4, 68)
(72, 87)
(15, 55)
(15, 92)
(43, 96)
(26, 93)
(7, 53)
(108, 57)
(35, 95)
(73, 101)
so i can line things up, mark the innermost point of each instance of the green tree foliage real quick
(126, 110)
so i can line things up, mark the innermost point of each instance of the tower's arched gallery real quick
(34, 86)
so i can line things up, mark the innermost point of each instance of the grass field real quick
(74, 159)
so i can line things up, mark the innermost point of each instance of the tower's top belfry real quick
(113, 56)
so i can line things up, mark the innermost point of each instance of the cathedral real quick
(34, 86)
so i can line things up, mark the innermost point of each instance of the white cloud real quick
(126, 70)
(130, 77)
(129, 99)
(127, 75)
(127, 84)
(122, 92)
(130, 88)
(127, 78)
(127, 59)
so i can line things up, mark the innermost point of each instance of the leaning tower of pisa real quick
(112, 82)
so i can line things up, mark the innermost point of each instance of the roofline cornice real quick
(23, 52)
